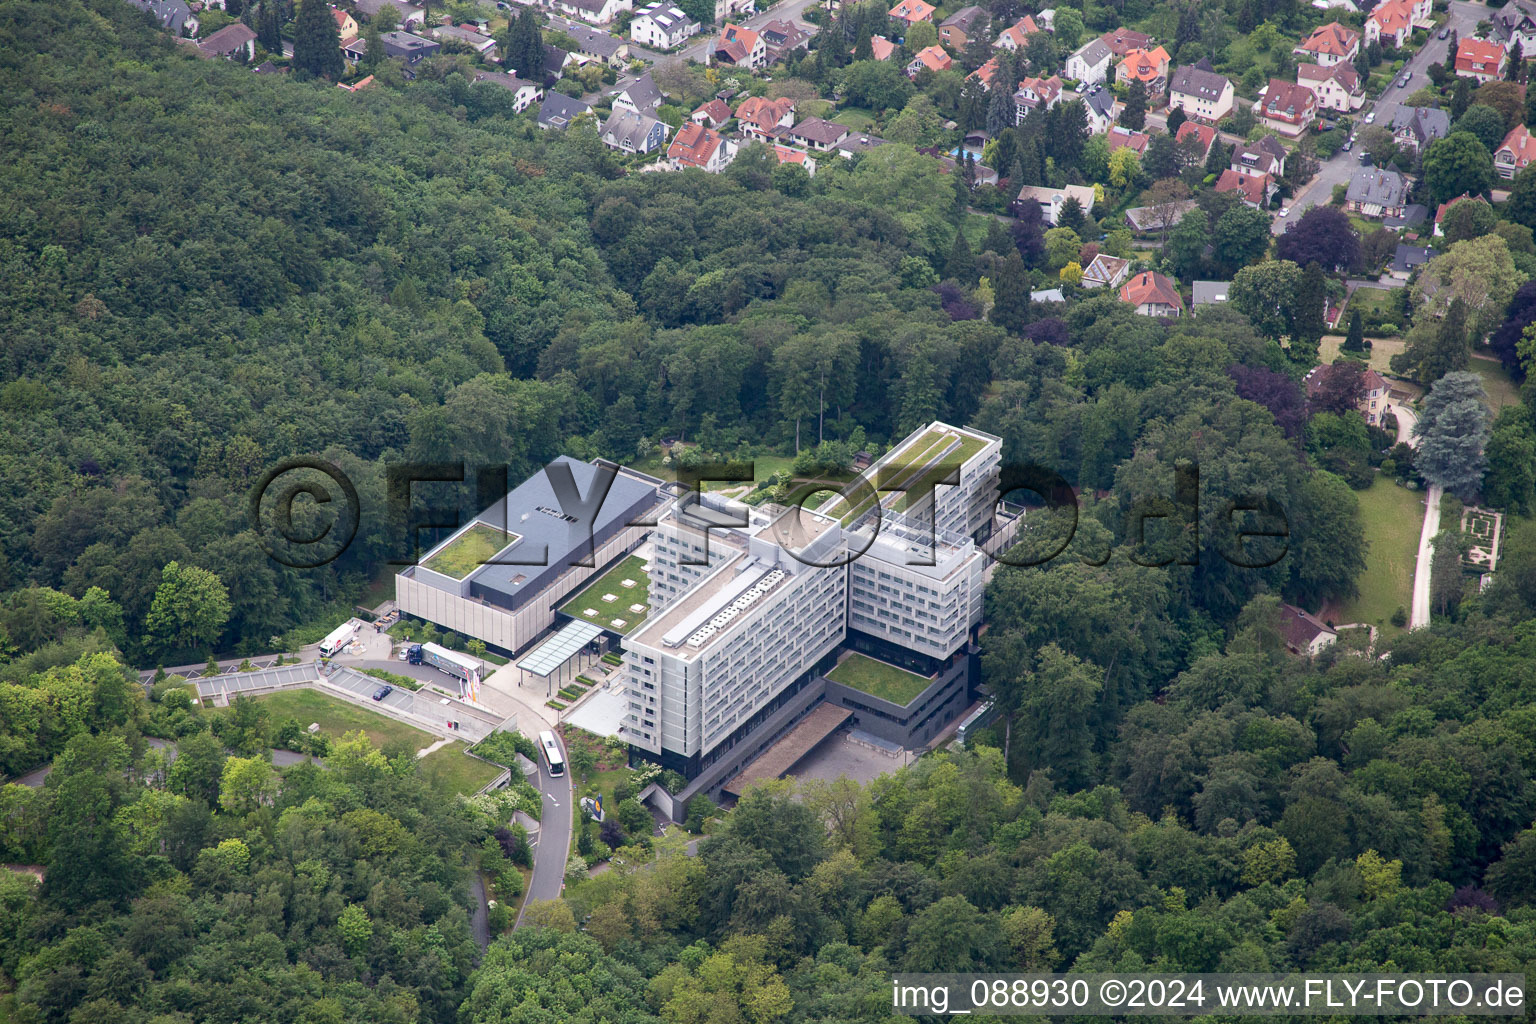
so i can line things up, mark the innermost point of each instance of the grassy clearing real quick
(336, 716)
(878, 679)
(588, 604)
(1392, 516)
(1500, 388)
(1381, 353)
(856, 118)
(469, 550)
(451, 770)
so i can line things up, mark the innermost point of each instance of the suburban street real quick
(1464, 17)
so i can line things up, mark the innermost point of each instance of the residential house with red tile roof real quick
(984, 73)
(1286, 107)
(1515, 152)
(1330, 44)
(1255, 190)
(795, 156)
(930, 58)
(1124, 138)
(1149, 67)
(1480, 60)
(712, 114)
(1195, 130)
(1390, 23)
(345, 24)
(908, 13)
(1016, 36)
(883, 48)
(1035, 94)
(701, 147)
(760, 118)
(1122, 41)
(740, 47)
(1152, 294)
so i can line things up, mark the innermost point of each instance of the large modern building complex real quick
(756, 621)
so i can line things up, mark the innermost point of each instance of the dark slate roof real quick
(1409, 256)
(1192, 80)
(643, 93)
(170, 15)
(1424, 123)
(559, 110)
(1373, 185)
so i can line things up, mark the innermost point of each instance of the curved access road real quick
(554, 843)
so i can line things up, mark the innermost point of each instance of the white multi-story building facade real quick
(749, 604)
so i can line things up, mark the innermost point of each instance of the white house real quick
(594, 12)
(1200, 92)
(661, 27)
(1090, 62)
(1052, 199)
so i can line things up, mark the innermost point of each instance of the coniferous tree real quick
(316, 41)
(373, 48)
(863, 48)
(1308, 322)
(1001, 114)
(1516, 61)
(525, 46)
(961, 264)
(1011, 309)
(1135, 115)
(269, 28)
(1354, 341)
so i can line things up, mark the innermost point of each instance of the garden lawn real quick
(856, 118)
(1381, 352)
(1497, 383)
(451, 770)
(878, 679)
(336, 716)
(1392, 517)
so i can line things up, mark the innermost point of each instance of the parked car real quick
(382, 692)
(1349, 144)
(1443, 33)
(1402, 83)
(1370, 118)
(1081, 87)
(1286, 212)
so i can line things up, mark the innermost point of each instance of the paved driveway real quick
(554, 842)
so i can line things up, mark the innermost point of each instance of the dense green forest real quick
(205, 271)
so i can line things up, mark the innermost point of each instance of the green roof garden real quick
(469, 550)
(619, 600)
(906, 467)
(879, 679)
